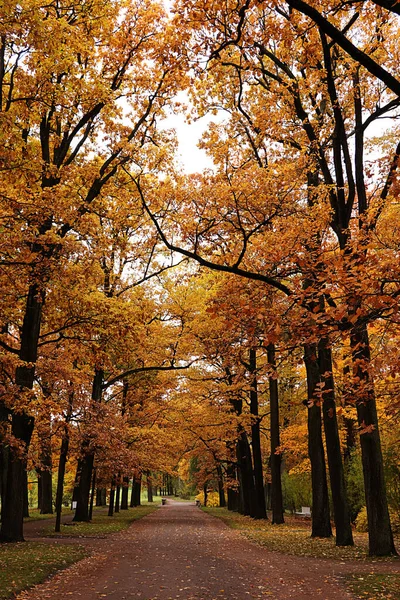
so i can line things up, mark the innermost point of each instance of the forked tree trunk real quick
(276, 480)
(321, 524)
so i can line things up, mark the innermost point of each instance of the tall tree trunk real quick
(87, 458)
(92, 493)
(221, 492)
(379, 528)
(82, 489)
(137, 487)
(321, 525)
(61, 473)
(22, 423)
(246, 479)
(45, 458)
(132, 502)
(117, 494)
(149, 487)
(112, 497)
(232, 482)
(276, 480)
(98, 496)
(39, 488)
(4, 458)
(259, 504)
(344, 535)
(124, 495)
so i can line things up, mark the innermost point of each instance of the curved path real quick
(180, 553)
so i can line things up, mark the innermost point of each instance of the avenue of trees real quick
(239, 327)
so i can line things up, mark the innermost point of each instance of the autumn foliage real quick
(235, 329)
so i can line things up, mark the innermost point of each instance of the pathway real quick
(180, 553)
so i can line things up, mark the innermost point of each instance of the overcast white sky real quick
(193, 159)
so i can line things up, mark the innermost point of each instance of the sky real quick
(192, 158)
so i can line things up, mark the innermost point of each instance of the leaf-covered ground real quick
(25, 564)
(293, 537)
(373, 586)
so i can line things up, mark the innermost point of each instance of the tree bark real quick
(22, 422)
(379, 528)
(87, 458)
(45, 471)
(276, 480)
(246, 479)
(221, 493)
(259, 496)
(149, 487)
(61, 474)
(124, 495)
(136, 490)
(344, 535)
(117, 495)
(92, 493)
(321, 525)
(112, 497)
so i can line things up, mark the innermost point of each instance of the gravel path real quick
(180, 553)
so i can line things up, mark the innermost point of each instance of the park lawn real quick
(101, 524)
(25, 564)
(34, 515)
(375, 586)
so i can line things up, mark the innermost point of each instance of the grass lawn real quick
(374, 586)
(102, 524)
(28, 563)
(34, 514)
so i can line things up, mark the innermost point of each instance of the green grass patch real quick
(375, 586)
(102, 524)
(294, 537)
(34, 515)
(28, 563)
